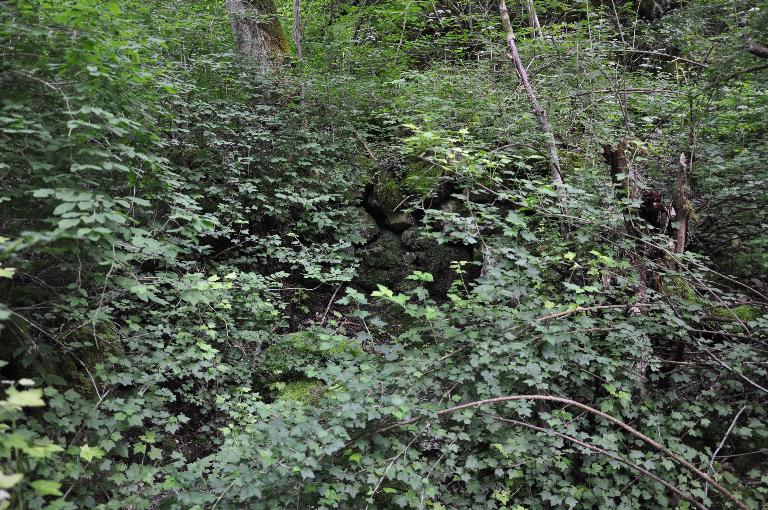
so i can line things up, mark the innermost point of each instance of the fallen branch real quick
(758, 50)
(681, 204)
(725, 438)
(610, 455)
(730, 368)
(541, 117)
(656, 445)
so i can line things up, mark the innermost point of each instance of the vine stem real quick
(656, 445)
(608, 454)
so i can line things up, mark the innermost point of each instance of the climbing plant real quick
(349, 280)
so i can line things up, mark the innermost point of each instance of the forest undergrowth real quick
(383, 254)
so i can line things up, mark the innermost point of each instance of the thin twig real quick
(394, 459)
(330, 303)
(720, 446)
(728, 367)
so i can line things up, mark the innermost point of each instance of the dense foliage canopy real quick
(348, 277)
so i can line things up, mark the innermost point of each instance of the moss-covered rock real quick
(679, 288)
(745, 313)
(384, 262)
(388, 200)
(435, 258)
(391, 192)
(290, 354)
(365, 227)
(422, 179)
(305, 391)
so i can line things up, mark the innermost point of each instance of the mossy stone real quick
(745, 313)
(384, 262)
(304, 391)
(365, 226)
(678, 287)
(291, 353)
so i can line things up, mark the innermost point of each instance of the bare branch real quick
(539, 113)
(654, 444)
(610, 455)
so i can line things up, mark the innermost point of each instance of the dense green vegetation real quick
(350, 281)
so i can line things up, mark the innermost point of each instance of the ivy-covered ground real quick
(349, 282)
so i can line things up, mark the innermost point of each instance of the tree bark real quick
(681, 205)
(616, 157)
(541, 117)
(651, 9)
(533, 19)
(758, 50)
(298, 31)
(258, 33)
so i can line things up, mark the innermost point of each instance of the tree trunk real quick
(298, 31)
(627, 183)
(533, 20)
(681, 205)
(257, 30)
(541, 117)
(757, 49)
(651, 9)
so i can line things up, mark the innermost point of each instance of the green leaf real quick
(42, 193)
(9, 481)
(64, 207)
(46, 487)
(88, 453)
(421, 276)
(42, 451)
(26, 398)
(69, 223)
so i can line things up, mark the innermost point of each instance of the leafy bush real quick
(182, 259)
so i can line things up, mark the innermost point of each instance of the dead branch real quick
(610, 455)
(654, 444)
(757, 49)
(681, 204)
(540, 114)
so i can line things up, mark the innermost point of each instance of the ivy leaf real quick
(9, 481)
(46, 487)
(88, 453)
(68, 223)
(420, 276)
(26, 398)
(42, 451)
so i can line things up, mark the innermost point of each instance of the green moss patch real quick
(305, 391)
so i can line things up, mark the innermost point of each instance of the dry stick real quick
(330, 304)
(656, 445)
(720, 446)
(392, 462)
(608, 454)
(618, 22)
(540, 114)
(629, 188)
(662, 54)
(626, 90)
(730, 368)
(566, 313)
(758, 50)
